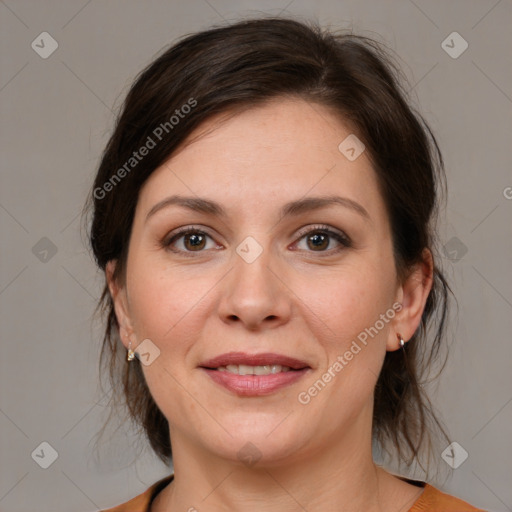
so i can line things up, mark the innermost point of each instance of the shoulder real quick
(433, 500)
(141, 502)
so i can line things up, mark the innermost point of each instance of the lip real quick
(254, 385)
(254, 360)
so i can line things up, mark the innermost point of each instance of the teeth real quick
(244, 369)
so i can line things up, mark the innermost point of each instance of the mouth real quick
(244, 369)
(254, 375)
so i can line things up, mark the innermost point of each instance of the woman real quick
(263, 213)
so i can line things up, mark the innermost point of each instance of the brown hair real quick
(234, 67)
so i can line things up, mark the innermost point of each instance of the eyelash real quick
(340, 237)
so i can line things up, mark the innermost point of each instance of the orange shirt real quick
(430, 500)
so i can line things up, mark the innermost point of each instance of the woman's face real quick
(277, 272)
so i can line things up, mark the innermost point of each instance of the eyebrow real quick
(292, 208)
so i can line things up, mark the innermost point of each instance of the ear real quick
(412, 295)
(121, 306)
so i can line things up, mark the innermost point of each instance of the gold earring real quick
(401, 340)
(131, 353)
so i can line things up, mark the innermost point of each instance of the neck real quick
(340, 471)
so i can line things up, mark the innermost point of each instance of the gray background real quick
(56, 115)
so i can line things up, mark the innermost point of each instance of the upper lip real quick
(263, 359)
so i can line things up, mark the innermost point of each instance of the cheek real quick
(350, 314)
(162, 300)
(165, 309)
(347, 302)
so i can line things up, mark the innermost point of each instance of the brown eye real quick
(319, 239)
(187, 240)
(194, 241)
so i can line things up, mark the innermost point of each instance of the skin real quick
(294, 299)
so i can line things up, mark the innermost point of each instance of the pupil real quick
(318, 238)
(195, 240)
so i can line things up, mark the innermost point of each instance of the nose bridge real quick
(251, 265)
(251, 273)
(254, 293)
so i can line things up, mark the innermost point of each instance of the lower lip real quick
(255, 385)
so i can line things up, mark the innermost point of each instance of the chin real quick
(257, 445)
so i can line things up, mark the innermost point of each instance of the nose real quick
(254, 294)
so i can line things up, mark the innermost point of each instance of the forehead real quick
(265, 156)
